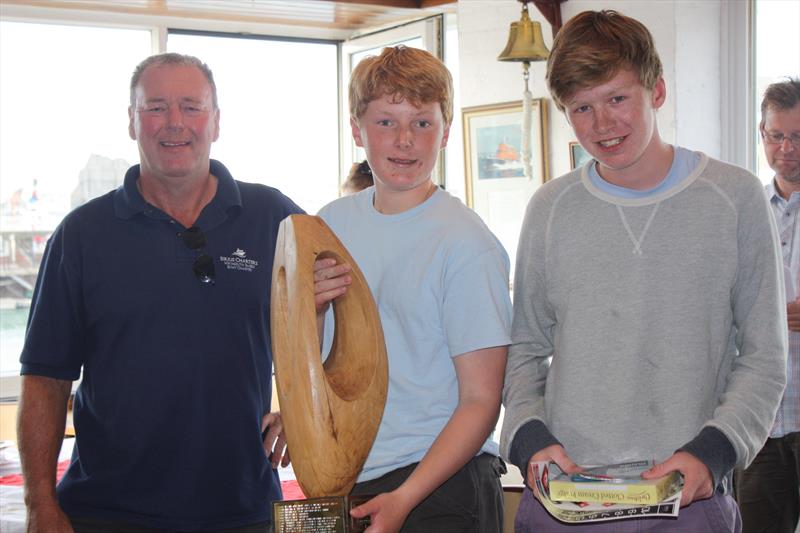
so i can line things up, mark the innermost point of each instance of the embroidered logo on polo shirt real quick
(238, 261)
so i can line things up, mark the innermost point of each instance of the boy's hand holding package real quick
(697, 483)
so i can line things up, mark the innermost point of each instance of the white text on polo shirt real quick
(238, 261)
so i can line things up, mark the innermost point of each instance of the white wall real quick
(686, 32)
(697, 91)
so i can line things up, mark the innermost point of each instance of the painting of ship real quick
(499, 152)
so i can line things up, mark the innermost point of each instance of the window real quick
(63, 140)
(64, 133)
(274, 129)
(777, 47)
(63, 124)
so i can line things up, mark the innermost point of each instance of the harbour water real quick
(13, 320)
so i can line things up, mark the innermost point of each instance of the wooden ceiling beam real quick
(340, 17)
(551, 9)
(404, 4)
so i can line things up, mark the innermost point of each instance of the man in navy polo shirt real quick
(159, 291)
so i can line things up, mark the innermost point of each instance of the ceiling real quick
(331, 19)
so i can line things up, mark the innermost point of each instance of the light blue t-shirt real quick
(683, 163)
(440, 280)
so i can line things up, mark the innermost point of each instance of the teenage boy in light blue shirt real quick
(440, 281)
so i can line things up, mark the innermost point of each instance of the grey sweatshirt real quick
(664, 317)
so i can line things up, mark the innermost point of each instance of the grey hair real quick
(173, 59)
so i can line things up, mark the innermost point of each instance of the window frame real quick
(737, 117)
(432, 32)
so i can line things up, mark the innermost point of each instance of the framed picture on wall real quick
(497, 188)
(577, 155)
(493, 147)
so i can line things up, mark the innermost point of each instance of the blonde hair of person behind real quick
(405, 74)
(593, 46)
(359, 178)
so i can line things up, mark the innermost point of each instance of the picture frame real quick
(578, 156)
(501, 193)
(492, 147)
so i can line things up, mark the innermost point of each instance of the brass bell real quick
(525, 42)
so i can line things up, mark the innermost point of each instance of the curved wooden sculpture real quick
(331, 411)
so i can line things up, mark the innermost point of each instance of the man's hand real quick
(47, 519)
(330, 280)
(387, 512)
(274, 439)
(793, 315)
(554, 453)
(697, 483)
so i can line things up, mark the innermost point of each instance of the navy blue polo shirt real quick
(176, 373)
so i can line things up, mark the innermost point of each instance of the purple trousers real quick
(718, 514)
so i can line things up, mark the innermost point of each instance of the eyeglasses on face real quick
(203, 266)
(773, 137)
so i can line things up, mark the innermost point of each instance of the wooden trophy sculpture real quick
(331, 411)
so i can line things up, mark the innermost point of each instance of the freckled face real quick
(616, 122)
(402, 141)
(174, 122)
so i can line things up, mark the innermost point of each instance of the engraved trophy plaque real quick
(331, 411)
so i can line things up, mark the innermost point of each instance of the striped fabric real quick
(787, 216)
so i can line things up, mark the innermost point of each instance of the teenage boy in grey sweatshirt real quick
(652, 278)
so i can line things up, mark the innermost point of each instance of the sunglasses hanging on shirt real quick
(203, 266)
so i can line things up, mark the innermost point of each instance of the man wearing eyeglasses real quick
(159, 292)
(769, 490)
